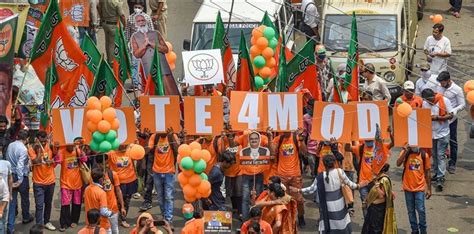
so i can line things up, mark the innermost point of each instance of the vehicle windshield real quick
(203, 33)
(375, 32)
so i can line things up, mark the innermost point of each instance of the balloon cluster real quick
(262, 51)
(469, 89)
(170, 56)
(436, 18)
(192, 179)
(403, 109)
(102, 122)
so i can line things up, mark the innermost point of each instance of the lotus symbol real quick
(203, 66)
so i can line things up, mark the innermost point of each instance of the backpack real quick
(423, 158)
(295, 142)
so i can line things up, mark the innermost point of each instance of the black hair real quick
(101, 158)
(255, 212)
(328, 162)
(255, 226)
(37, 229)
(93, 216)
(427, 93)
(22, 135)
(440, 27)
(42, 134)
(97, 174)
(227, 157)
(369, 67)
(277, 189)
(3, 119)
(443, 76)
(385, 168)
(275, 179)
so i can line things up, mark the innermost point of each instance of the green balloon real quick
(199, 166)
(259, 82)
(273, 43)
(266, 80)
(259, 61)
(399, 101)
(188, 215)
(115, 144)
(111, 136)
(203, 176)
(187, 163)
(98, 136)
(269, 33)
(94, 145)
(105, 146)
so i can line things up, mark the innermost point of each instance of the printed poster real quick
(217, 222)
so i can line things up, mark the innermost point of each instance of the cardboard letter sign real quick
(369, 114)
(285, 111)
(69, 123)
(332, 120)
(203, 115)
(159, 113)
(414, 129)
(246, 111)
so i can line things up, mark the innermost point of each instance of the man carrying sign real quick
(289, 147)
(254, 161)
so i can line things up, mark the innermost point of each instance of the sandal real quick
(125, 224)
(457, 15)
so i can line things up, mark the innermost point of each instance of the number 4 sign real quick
(280, 111)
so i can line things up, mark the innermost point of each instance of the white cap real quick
(408, 85)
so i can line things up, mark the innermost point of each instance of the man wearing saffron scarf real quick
(441, 113)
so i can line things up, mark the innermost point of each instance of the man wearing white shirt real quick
(437, 50)
(455, 94)
(427, 80)
(310, 24)
(441, 113)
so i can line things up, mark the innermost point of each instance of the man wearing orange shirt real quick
(165, 149)
(409, 95)
(93, 227)
(96, 198)
(256, 216)
(42, 160)
(124, 166)
(416, 179)
(289, 146)
(194, 221)
(112, 189)
(371, 156)
(71, 187)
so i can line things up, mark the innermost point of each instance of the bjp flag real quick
(221, 41)
(75, 12)
(53, 40)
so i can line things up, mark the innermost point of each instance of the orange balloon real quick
(256, 70)
(184, 150)
(109, 114)
(195, 180)
(198, 195)
(195, 145)
(103, 126)
(470, 97)
(404, 109)
(436, 18)
(182, 179)
(271, 62)
(188, 173)
(196, 154)
(206, 155)
(254, 51)
(189, 190)
(253, 40)
(135, 151)
(268, 53)
(92, 127)
(189, 198)
(262, 43)
(115, 124)
(207, 194)
(265, 72)
(170, 46)
(171, 57)
(261, 28)
(94, 116)
(274, 72)
(469, 86)
(172, 67)
(106, 102)
(178, 159)
(93, 103)
(257, 33)
(204, 187)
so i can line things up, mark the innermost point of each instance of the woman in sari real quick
(279, 210)
(380, 211)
